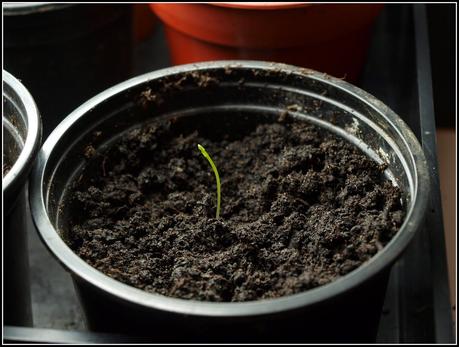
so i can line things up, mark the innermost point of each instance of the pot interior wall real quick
(229, 102)
(14, 126)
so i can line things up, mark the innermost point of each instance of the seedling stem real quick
(217, 176)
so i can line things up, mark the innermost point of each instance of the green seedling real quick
(217, 177)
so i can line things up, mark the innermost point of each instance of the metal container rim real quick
(23, 163)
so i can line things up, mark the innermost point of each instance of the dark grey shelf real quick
(417, 307)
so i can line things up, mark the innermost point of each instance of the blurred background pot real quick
(144, 22)
(331, 38)
(21, 141)
(231, 97)
(66, 53)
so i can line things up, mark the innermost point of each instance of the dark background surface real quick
(390, 75)
(442, 37)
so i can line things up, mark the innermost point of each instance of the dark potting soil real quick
(300, 208)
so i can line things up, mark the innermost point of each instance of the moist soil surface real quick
(300, 208)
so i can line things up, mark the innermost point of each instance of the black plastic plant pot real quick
(232, 97)
(66, 53)
(21, 141)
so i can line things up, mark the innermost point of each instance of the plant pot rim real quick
(419, 193)
(24, 8)
(19, 171)
(261, 5)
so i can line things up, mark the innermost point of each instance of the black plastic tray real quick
(417, 307)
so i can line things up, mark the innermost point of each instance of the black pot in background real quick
(442, 39)
(66, 53)
(231, 97)
(21, 141)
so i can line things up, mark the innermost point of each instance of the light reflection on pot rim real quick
(21, 98)
(412, 222)
(25, 8)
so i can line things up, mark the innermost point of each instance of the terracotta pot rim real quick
(233, 27)
(261, 5)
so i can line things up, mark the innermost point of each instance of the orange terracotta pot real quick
(332, 38)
